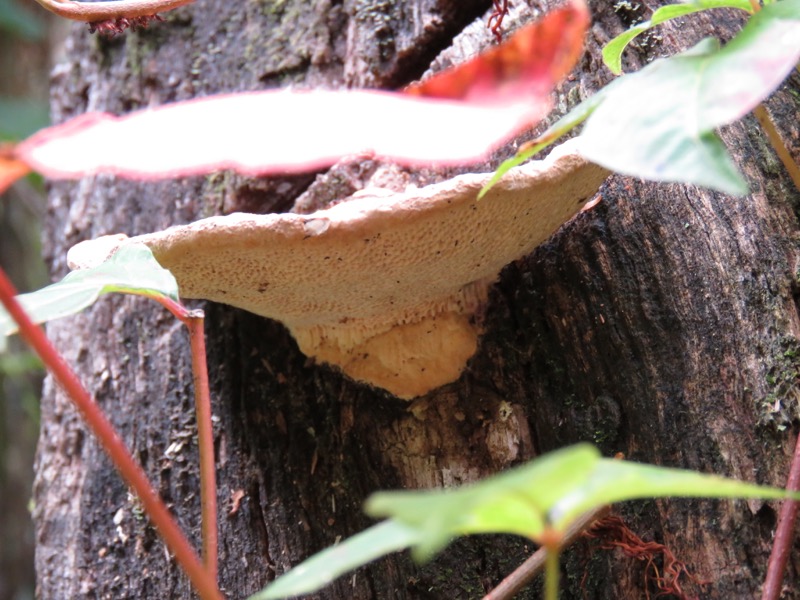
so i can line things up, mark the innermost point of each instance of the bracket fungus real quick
(389, 288)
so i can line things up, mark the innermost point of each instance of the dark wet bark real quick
(662, 323)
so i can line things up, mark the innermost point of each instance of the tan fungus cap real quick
(387, 288)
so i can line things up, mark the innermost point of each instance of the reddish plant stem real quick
(777, 143)
(784, 534)
(205, 435)
(194, 321)
(131, 472)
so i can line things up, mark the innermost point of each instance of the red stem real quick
(784, 534)
(131, 472)
(205, 435)
(194, 321)
(777, 143)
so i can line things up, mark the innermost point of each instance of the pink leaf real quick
(275, 132)
(477, 106)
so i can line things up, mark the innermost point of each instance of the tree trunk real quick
(662, 323)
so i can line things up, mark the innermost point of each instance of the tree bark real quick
(663, 323)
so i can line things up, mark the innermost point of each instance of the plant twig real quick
(205, 435)
(132, 473)
(784, 534)
(101, 11)
(775, 140)
(534, 565)
(194, 321)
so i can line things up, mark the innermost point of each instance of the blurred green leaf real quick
(612, 52)
(614, 481)
(659, 123)
(517, 501)
(322, 568)
(20, 117)
(19, 364)
(132, 270)
(19, 22)
(558, 129)
(550, 492)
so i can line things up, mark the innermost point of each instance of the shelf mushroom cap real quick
(390, 289)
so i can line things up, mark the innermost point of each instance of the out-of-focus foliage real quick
(19, 22)
(20, 117)
(24, 66)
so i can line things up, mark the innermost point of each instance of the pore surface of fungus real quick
(388, 288)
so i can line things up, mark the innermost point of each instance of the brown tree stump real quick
(662, 323)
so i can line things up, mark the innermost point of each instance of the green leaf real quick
(132, 270)
(516, 501)
(322, 568)
(658, 123)
(558, 129)
(551, 491)
(16, 21)
(547, 493)
(616, 481)
(612, 52)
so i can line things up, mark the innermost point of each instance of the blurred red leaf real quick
(529, 64)
(11, 168)
(455, 117)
